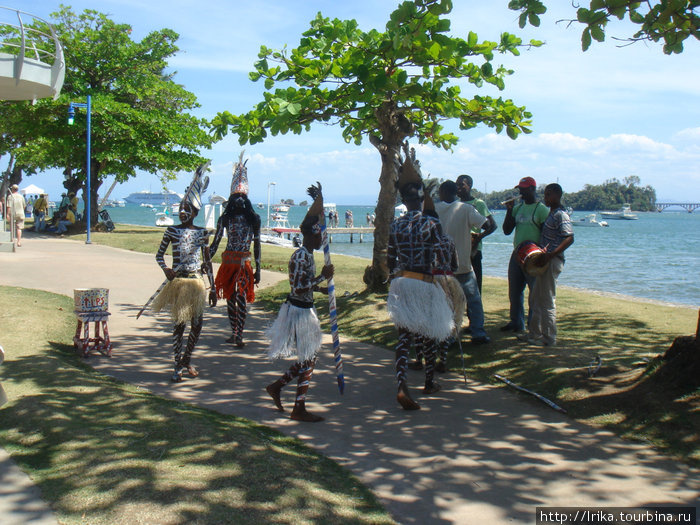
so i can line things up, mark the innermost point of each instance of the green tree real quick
(140, 118)
(383, 86)
(670, 21)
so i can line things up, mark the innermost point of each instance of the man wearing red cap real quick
(526, 218)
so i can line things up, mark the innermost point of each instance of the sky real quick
(610, 112)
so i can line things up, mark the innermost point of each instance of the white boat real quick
(589, 221)
(279, 220)
(281, 208)
(146, 205)
(624, 213)
(155, 199)
(216, 199)
(260, 205)
(163, 220)
(277, 240)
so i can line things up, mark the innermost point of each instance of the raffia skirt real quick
(184, 297)
(295, 331)
(420, 307)
(455, 297)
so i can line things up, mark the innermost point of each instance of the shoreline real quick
(602, 293)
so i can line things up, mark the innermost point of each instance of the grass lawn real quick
(104, 452)
(629, 336)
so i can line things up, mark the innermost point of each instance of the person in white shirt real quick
(458, 219)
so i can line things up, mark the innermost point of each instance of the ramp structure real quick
(32, 64)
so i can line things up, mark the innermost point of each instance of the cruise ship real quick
(156, 199)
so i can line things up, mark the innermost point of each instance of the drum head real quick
(533, 269)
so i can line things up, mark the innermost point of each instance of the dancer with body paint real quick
(416, 304)
(297, 329)
(444, 266)
(185, 293)
(235, 280)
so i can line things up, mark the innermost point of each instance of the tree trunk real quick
(95, 184)
(394, 128)
(377, 274)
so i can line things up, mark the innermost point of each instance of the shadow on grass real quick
(103, 452)
(619, 396)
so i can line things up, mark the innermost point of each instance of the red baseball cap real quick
(527, 182)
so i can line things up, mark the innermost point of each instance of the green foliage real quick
(339, 74)
(140, 118)
(667, 21)
(384, 86)
(612, 194)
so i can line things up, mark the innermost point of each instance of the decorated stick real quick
(150, 300)
(538, 396)
(333, 312)
(461, 351)
(314, 192)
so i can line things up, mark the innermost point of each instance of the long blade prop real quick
(150, 300)
(333, 313)
(538, 396)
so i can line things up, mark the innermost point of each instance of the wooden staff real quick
(538, 396)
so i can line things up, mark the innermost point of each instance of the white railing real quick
(25, 47)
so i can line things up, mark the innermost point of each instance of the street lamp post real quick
(268, 202)
(71, 117)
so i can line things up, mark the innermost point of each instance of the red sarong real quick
(235, 274)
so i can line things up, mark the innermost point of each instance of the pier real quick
(288, 233)
(687, 206)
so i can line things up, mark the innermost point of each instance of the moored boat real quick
(589, 221)
(624, 213)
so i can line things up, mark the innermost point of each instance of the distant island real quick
(610, 195)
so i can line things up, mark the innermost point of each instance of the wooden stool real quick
(89, 345)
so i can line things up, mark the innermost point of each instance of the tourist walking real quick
(15, 211)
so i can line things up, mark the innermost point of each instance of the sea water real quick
(656, 257)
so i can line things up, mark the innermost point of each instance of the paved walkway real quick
(475, 454)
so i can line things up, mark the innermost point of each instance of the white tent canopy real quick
(32, 189)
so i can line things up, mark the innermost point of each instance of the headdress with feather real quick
(239, 182)
(316, 208)
(199, 184)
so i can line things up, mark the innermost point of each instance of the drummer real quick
(526, 218)
(557, 236)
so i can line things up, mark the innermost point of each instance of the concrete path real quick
(474, 454)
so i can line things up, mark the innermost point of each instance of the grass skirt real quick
(184, 297)
(295, 328)
(455, 297)
(420, 307)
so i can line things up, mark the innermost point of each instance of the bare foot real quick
(231, 339)
(404, 399)
(303, 415)
(274, 392)
(431, 388)
(239, 342)
(192, 371)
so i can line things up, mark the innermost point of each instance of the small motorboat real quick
(624, 213)
(589, 221)
(163, 220)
